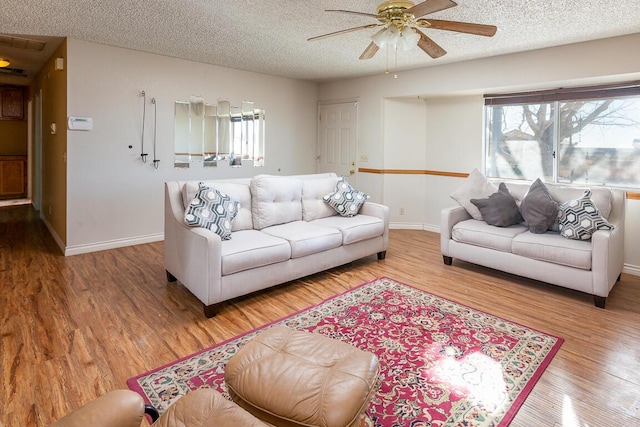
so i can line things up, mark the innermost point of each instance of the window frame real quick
(555, 97)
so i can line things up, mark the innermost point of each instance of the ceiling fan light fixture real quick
(4, 62)
(409, 38)
(387, 36)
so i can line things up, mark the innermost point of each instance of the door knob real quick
(351, 172)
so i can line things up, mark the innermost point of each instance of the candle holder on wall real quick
(143, 155)
(155, 124)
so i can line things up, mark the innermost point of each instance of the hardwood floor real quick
(73, 328)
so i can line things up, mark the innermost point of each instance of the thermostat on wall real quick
(80, 123)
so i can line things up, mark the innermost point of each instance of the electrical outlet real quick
(401, 211)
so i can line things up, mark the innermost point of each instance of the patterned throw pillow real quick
(212, 210)
(580, 218)
(345, 199)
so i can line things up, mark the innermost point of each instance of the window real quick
(583, 136)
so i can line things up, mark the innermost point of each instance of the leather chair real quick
(125, 408)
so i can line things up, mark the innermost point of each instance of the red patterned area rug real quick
(442, 363)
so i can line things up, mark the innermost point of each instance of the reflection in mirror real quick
(181, 134)
(247, 129)
(215, 133)
(235, 158)
(224, 129)
(210, 148)
(258, 137)
(196, 139)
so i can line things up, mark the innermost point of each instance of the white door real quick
(337, 139)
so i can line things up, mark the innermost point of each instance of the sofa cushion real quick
(313, 190)
(354, 229)
(580, 218)
(475, 186)
(538, 208)
(237, 191)
(500, 208)
(306, 238)
(345, 199)
(275, 200)
(480, 233)
(551, 247)
(250, 249)
(212, 210)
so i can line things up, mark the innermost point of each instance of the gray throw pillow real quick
(538, 208)
(499, 209)
(475, 186)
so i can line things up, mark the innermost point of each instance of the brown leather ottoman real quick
(295, 378)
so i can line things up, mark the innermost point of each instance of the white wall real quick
(404, 149)
(453, 117)
(113, 198)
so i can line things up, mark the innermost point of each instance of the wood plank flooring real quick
(73, 328)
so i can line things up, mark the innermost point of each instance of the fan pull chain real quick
(395, 67)
(143, 155)
(386, 68)
(155, 124)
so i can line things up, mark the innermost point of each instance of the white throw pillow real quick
(475, 186)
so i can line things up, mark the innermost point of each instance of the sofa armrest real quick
(193, 255)
(607, 259)
(448, 218)
(118, 408)
(379, 211)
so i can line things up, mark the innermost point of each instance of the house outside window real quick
(583, 136)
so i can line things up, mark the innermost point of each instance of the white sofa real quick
(283, 231)
(591, 266)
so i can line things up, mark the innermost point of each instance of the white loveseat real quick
(284, 230)
(591, 266)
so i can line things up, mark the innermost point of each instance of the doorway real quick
(337, 139)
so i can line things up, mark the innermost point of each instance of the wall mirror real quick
(218, 134)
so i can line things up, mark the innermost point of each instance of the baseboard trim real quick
(633, 270)
(413, 226)
(406, 226)
(53, 233)
(112, 244)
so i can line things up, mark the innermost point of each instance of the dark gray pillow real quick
(499, 209)
(538, 208)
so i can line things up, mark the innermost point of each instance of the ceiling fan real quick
(402, 23)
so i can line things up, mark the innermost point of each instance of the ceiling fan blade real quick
(348, 30)
(372, 15)
(430, 47)
(371, 50)
(461, 27)
(430, 6)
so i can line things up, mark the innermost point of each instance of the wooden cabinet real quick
(13, 177)
(12, 103)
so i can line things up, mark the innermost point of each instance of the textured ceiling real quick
(270, 37)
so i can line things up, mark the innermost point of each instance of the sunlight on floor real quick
(569, 417)
(478, 377)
